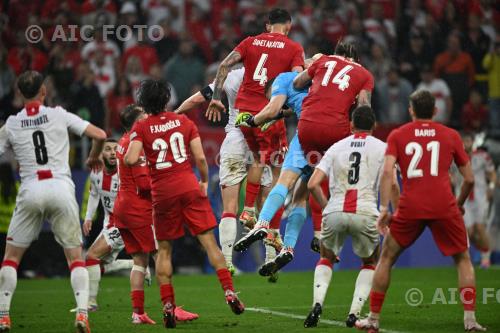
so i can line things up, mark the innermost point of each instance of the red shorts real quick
(448, 233)
(139, 240)
(318, 138)
(271, 145)
(190, 209)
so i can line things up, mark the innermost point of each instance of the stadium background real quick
(452, 45)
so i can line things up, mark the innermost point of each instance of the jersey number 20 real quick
(40, 149)
(178, 150)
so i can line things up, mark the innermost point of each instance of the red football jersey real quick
(336, 82)
(131, 210)
(166, 138)
(264, 56)
(424, 151)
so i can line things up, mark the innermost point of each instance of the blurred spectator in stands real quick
(128, 17)
(64, 58)
(104, 72)
(457, 69)
(116, 101)
(224, 12)
(99, 12)
(158, 10)
(199, 31)
(392, 98)
(228, 40)
(53, 97)
(87, 101)
(449, 22)
(222, 53)
(414, 58)
(439, 89)
(167, 46)
(433, 36)
(109, 47)
(134, 74)
(184, 70)
(333, 27)
(358, 36)
(7, 80)
(26, 56)
(156, 73)
(379, 28)
(491, 64)
(474, 113)
(378, 63)
(477, 44)
(146, 54)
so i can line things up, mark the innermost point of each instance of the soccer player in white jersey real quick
(353, 166)
(234, 154)
(478, 203)
(103, 252)
(39, 138)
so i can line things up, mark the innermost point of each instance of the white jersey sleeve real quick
(93, 200)
(4, 140)
(75, 124)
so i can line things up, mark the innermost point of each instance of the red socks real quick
(376, 301)
(468, 298)
(167, 294)
(316, 214)
(137, 297)
(251, 194)
(276, 220)
(225, 279)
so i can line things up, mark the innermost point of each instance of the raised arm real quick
(216, 106)
(271, 110)
(133, 154)
(201, 163)
(98, 136)
(192, 102)
(364, 97)
(301, 80)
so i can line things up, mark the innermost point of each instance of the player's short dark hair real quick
(423, 104)
(29, 83)
(269, 85)
(129, 115)
(363, 118)
(347, 49)
(279, 15)
(110, 140)
(153, 95)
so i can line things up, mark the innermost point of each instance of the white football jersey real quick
(104, 186)
(39, 138)
(354, 165)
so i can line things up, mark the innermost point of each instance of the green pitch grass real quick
(43, 305)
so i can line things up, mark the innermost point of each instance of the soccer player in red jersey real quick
(168, 140)
(337, 81)
(264, 57)
(424, 151)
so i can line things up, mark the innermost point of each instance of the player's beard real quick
(109, 167)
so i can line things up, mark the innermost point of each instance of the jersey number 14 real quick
(341, 79)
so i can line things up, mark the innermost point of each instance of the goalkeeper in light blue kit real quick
(281, 94)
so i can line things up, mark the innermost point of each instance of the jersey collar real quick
(32, 108)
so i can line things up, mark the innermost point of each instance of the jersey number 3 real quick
(415, 149)
(353, 175)
(40, 149)
(178, 150)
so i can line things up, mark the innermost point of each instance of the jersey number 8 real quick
(40, 149)
(178, 150)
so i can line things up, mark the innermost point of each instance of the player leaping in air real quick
(424, 151)
(39, 138)
(179, 199)
(353, 165)
(264, 57)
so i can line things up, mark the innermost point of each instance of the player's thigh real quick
(272, 144)
(266, 179)
(113, 242)
(406, 231)
(365, 237)
(168, 219)
(27, 219)
(250, 135)
(300, 193)
(450, 234)
(138, 240)
(295, 159)
(334, 231)
(232, 170)
(470, 214)
(197, 213)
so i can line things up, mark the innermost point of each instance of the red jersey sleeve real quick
(459, 155)
(141, 179)
(298, 59)
(241, 48)
(392, 145)
(311, 71)
(368, 85)
(136, 132)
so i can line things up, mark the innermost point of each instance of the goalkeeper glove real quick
(245, 119)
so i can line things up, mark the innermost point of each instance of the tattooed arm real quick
(216, 106)
(364, 98)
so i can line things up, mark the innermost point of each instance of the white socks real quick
(80, 285)
(118, 265)
(322, 277)
(8, 282)
(227, 235)
(94, 280)
(362, 290)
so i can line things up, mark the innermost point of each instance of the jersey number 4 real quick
(260, 73)
(41, 155)
(178, 150)
(415, 149)
(341, 79)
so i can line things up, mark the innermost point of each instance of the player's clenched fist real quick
(214, 109)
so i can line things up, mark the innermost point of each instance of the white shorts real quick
(362, 229)
(52, 200)
(476, 211)
(234, 161)
(115, 242)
